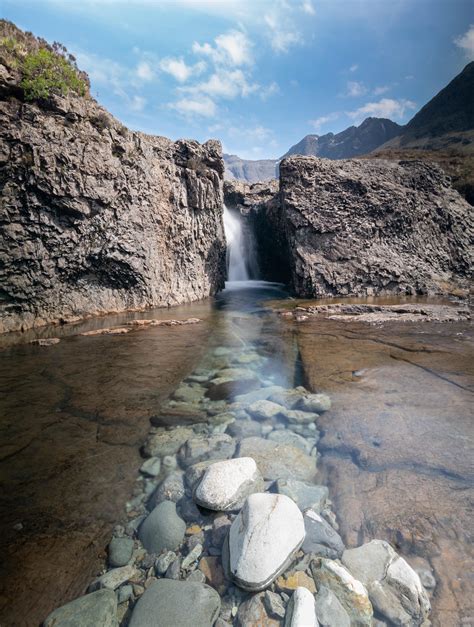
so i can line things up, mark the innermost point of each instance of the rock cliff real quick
(361, 227)
(96, 218)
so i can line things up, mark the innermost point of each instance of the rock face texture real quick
(362, 227)
(359, 227)
(96, 218)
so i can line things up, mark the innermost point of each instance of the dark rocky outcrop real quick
(360, 227)
(96, 218)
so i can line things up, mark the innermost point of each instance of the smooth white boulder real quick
(263, 539)
(225, 485)
(301, 611)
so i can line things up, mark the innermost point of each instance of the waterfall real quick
(236, 253)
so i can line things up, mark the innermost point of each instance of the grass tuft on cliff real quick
(41, 70)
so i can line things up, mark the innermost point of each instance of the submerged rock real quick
(91, 610)
(120, 551)
(197, 449)
(305, 495)
(263, 539)
(225, 485)
(162, 529)
(176, 603)
(317, 403)
(394, 587)
(284, 436)
(167, 442)
(351, 593)
(264, 410)
(170, 489)
(301, 611)
(278, 460)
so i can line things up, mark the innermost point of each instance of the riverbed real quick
(395, 448)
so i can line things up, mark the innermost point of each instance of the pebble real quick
(220, 529)
(162, 529)
(167, 442)
(169, 463)
(226, 484)
(298, 417)
(120, 551)
(318, 403)
(125, 593)
(263, 539)
(214, 574)
(170, 489)
(196, 575)
(284, 436)
(329, 610)
(97, 608)
(215, 447)
(253, 612)
(292, 581)
(114, 578)
(192, 556)
(301, 610)
(163, 562)
(278, 460)
(274, 604)
(174, 570)
(264, 410)
(351, 593)
(321, 538)
(183, 603)
(305, 495)
(394, 587)
(151, 467)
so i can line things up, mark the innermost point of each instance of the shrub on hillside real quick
(46, 73)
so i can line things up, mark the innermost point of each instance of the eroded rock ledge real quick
(360, 227)
(96, 218)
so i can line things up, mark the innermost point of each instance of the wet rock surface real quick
(90, 177)
(396, 449)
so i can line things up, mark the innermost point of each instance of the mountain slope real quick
(248, 170)
(352, 142)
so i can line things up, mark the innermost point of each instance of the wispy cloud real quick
(383, 89)
(179, 70)
(281, 32)
(356, 89)
(466, 42)
(224, 84)
(384, 108)
(308, 7)
(231, 49)
(354, 68)
(203, 107)
(318, 123)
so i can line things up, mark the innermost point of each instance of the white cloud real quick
(383, 89)
(231, 49)
(204, 107)
(144, 71)
(137, 103)
(308, 8)
(324, 119)
(179, 69)
(384, 108)
(256, 133)
(227, 84)
(354, 68)
(356, 89)
(269, 90)
(281, 32)
(466, 42)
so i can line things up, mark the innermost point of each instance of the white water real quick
(236, 254)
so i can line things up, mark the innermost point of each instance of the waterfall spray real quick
(236, 254)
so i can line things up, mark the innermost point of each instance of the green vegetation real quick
(40, 69)
(46, 73)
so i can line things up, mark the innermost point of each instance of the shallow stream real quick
(395, 448)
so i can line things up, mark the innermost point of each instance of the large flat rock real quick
(276, 460)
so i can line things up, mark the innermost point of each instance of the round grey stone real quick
(162, 529)
(184, 603)
(91, 610)
(120, 551)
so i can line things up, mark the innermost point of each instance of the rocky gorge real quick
(238, 460)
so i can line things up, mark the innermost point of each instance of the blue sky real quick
(257, 74)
